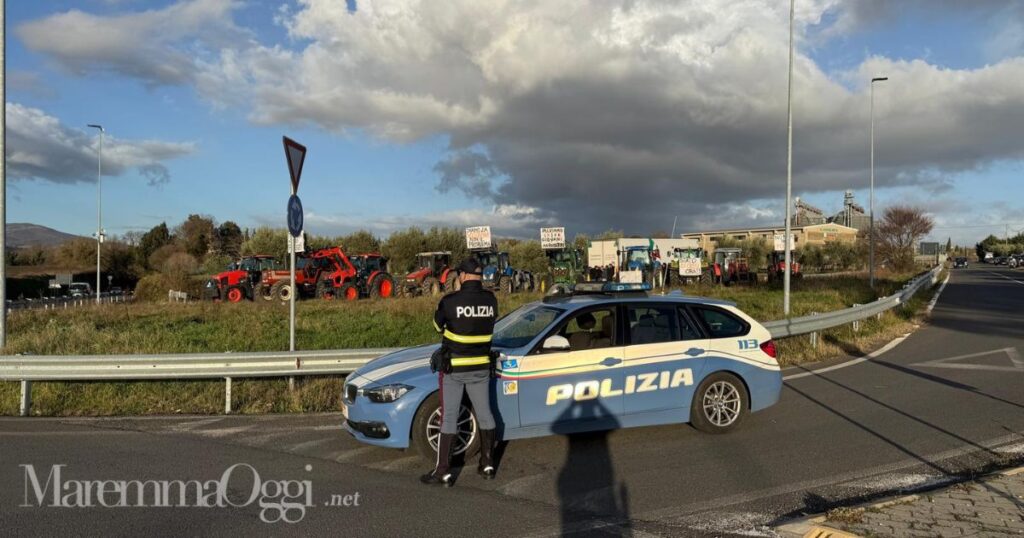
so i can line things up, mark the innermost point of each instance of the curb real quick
(815, 526)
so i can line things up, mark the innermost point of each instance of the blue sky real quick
(360, 173)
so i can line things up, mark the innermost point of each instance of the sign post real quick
(295, 154)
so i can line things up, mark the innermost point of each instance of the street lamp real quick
(99, 207)
(789, 169)
(871, 203)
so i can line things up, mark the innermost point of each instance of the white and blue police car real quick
(605, 356)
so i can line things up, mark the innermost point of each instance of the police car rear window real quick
(721, 324)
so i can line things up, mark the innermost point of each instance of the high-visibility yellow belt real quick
(470, 361)
(436, 328)
(466, 339)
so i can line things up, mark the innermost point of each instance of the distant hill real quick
(23, 234)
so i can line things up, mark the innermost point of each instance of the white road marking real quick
(352, 454)
(950, 362)
(1006, 277)
(931, 304)
(874, 354)
(407, 462)
(308, 444)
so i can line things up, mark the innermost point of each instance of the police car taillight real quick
(769, 348)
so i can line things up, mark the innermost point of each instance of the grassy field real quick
(198, 327)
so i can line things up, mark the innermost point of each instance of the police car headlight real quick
(385, 393)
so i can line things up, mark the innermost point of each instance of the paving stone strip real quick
(993, 506)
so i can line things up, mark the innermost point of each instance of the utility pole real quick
(3, 186)
(871, 218)
(99, 208)
(789, 169)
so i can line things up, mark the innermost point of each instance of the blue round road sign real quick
(294, 216)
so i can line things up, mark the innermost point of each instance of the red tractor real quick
(276, 283)
(777, 266)
(363, 275)
(433, 275)
(730, 266)
(240, 280)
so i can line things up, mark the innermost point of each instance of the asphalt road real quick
(946, 401)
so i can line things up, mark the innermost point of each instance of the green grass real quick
(207, 327)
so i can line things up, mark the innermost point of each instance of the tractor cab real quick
(434, 262)
(730, 266)
(635, 265)
(691, 262)
(239, 279)
(563, 258)
(777, 265)
(495, 264)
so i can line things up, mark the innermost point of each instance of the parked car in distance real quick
(116, 291)
(960, 262)
(79, 289)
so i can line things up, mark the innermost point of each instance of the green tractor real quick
(565, 268)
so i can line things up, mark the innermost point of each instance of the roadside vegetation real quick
(206, 327)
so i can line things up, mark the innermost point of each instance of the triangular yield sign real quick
(295, 153)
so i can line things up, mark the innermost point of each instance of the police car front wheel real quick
(427, 428)
(720, 404)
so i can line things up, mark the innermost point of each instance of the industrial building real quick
(852, 215)
(810, 235)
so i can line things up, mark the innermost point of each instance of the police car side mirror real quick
(556, 343)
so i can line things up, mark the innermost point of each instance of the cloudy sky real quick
(594, 115)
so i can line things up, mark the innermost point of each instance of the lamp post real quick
(99, 207)
(789, 169)
(871, 202)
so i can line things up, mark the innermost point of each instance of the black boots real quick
(486, 467)
(441, 475)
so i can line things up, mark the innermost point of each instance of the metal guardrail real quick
(341, 361)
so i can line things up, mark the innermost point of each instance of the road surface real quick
(946, 401)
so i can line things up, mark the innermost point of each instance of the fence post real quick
(856, 322)
(227, 395)
(814, 335)
(26, 398)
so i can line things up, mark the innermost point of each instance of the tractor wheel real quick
(325, 291)
(262, 292)
(431, 287)
(505, 284)
(382, 286)
(348, 292)
(450, 282)
(236, 294)
(546, 282)
(281, 290)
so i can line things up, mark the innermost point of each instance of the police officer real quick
(465, 320)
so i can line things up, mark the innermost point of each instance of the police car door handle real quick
(611, 361)
(694, 351)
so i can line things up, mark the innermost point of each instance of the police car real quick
(605, 356)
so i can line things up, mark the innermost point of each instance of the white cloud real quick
(608, 114)
(157, 46)
(40, 147)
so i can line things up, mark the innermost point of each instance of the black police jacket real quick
(465, 320)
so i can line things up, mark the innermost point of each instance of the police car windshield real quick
(523, 325)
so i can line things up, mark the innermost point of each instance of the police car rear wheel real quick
(427, 428)
(720, 404)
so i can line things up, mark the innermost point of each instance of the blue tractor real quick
(500, 275)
